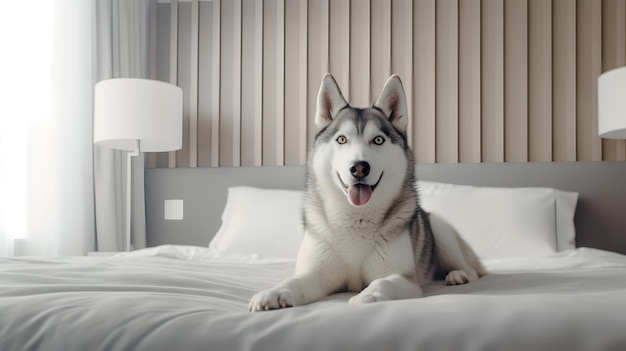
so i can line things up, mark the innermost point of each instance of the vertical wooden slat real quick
(205, 83)
(183, 77)
(613, 56)
(162, 62)
(516, 81)
(236, 76)
(588, 68)
(193, 84)
(540, 80)
(215, 88)
(339, 35)
(280, 86)
(318, 58)
(252, 84)
(269, 91)
(359, 69)
(302, 80)
(447, 75)
(492, 77)
(424, 81)
(292, 76)
(153, 39)
(408, 64)
(401, 52)
(258, 86)
(173, 61)
(273, 82)
(247, 89)
(226, 84)
(230, 87)
(380, 68)
(152, 157)
(564, 80)
(469, 81)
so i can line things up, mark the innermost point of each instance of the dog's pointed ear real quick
(329, 101)
(392, 101)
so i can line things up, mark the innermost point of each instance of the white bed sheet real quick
(191, 298)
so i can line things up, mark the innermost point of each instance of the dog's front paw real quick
(368, 297)
(271, 299)
(459, 277)
(378, 290)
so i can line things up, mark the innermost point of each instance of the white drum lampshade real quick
(146, 112)
(137, 115)
(612, 104)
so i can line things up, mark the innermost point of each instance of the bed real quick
(190, 289)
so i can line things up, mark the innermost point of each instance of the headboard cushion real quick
(600, 215)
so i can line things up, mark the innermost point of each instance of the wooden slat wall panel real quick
(516, 81)
(206, 78)
(486, 80)
(424, 42)
(588, 68)
(564, 80)
(540, 80)
(193, 83)
(359, 56)
(292, 63)
(380, 60)
(273, 82)
(251, 93)
(447, 78)
(469, 81)
(402, 51)
(492, 96)
(280, 83)
(230, 89)
(614, 42)
(339, 37)
(152, 157)
(318, 58)
(216, 61)
(173, 60)
(303, 51)
(181, 75)
(296, 80)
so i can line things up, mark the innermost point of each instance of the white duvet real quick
(192, 298)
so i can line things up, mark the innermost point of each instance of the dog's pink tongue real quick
(359, 194)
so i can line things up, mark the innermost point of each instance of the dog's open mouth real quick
(359, 193)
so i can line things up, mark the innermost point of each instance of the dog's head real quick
(363, 151)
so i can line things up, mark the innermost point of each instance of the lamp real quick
(612, 104)
(137, 115)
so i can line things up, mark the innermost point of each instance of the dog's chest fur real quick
(367, 245)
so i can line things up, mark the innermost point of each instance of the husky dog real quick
(365, 231)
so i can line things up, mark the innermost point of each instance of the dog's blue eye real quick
(342, 139)
(379, 140)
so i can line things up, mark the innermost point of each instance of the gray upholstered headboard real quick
(600, 214)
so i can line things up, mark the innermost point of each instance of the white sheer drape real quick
(123, 34)
(46, 162)
(53, 54)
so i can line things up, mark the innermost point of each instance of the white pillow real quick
(266, 223)
(505, 222)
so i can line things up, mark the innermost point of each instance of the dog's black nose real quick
(360, 169)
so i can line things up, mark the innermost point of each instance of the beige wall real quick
(486, 80)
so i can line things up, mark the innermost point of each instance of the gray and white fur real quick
(364, 230)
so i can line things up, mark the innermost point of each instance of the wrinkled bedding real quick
(193, 298)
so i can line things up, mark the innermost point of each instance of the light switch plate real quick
(173, 210)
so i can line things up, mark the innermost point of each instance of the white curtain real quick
(53, 183)
(46, 162)
(123, 33)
